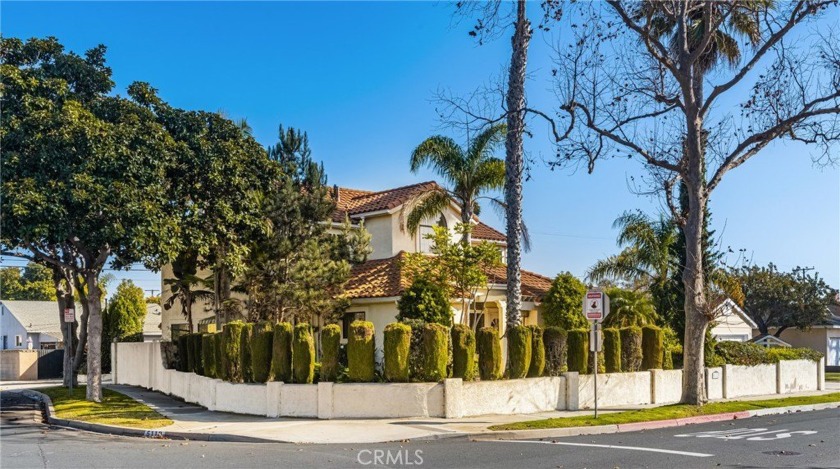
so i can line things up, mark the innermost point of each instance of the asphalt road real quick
(810, 439)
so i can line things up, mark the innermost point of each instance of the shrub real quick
(591, 364)
(652, 348)
(415, 360)
(631, 348)
(562, 303)
(519, 351)
(750, 354)
(578, 350)
(612, 350)
(667, 360)
(232, 350)
(183, 353)
(303, 354)
(281, 352)
(489, 354)
(537, 352)
(360, 352)
(463, 352)
(397, 349)
(245, 353)
(208, 355)
(777, 354)
(218, 351)
(262, 338)
(554, 340)
(435, 352)
(330, 345)
(425, 300)
(198, 363)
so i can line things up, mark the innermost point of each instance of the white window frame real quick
(424, 244)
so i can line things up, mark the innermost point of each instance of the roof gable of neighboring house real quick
(151, 324)
(37, 316)
(769, 340)
(729, 308)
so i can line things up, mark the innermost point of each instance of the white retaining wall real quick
(666, 386)
(615, 389)
(714, 383)
(796, 376)
(741, 380)
(514, 396)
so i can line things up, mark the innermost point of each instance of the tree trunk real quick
(94, 356)
(514, 161)
(779, 331)
(64, 295)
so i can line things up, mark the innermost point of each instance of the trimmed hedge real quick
(667, 360)
(612, 350)
(303, 354)
(397, 349)
(554, 340)
(281, 352)
(750, 354)
(218, 350)
(231, 351)
(183, 353)
(195, 344)
(361, 352)
(262, 339)
(577, 343)
(208, 355)
(537, 352)
(435, 352)
(519, 351)
(489, 354)
(652, 348)
(245, 353)
(591, 365)
(463, 352)
(631, 348)
(330, 348)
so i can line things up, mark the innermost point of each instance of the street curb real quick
(632, 427)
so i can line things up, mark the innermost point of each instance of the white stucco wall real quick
(514, 396)
(240, 398)
(797, 376)
(748, 380)
(666, 386)
(380, 237)
(714, 383)
(392, 400)
(299, 400)
(615, 389)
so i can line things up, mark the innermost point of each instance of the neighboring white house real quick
(824, 338)
(151, 325)
(38, 321)
(731, 323)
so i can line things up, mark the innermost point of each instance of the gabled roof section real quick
(533, 285)
(728, 305)
(484, 232)
(354, 203)
(769, 340)
(37, 316)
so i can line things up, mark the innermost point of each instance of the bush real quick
(198, 364)
(652, 348)
(208, 355)
(776, 354)
(463, 352)
(519, 351)
(232, 351)
(245, 353)
(667, 360)
(591, 364)
(218, 351)
(281, 352)
(415, 360)
(562, 303)
(360, 352)
(397, 349)
(489, 354)
(303, 354)
(537, 352)
(435, 352)
(554, 340)
(425, 300)
(578, 350)
(750, 354)
(183, 353)
(330, 346)
(612, 350)
(262, 338)
(631, 348)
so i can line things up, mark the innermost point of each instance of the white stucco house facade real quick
(731, 323)
(31, 322)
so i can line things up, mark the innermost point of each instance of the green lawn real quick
(666, 413)
(115, 409)
(832, 375)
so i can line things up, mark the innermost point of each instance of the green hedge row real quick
(750, 354)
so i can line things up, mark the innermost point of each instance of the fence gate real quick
(50, 363)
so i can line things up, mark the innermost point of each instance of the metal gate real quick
(50, 363)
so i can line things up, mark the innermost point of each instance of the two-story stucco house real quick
(376, 285)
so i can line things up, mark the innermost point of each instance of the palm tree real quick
(469, 174)
(187, 286)
(630, 308)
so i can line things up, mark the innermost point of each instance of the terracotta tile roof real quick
(533, 285)
(351, 202)
(486, 233)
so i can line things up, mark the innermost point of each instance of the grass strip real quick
(666, 413)
(832, 376)
(115, 408)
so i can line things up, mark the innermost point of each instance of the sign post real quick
(596, 307)
(69, 319)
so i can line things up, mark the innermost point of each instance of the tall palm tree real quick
(468, 173)
(630, 308)
(186, 286)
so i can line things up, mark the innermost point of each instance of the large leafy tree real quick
(35, 283)
(123, 319)
(563, 304)
(84, 172)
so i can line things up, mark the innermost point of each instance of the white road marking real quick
(631, 448)
(750, 434)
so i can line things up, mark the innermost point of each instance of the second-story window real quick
(423, 233)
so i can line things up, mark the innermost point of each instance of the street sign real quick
(69, 315)
(596, 305)
(596, 339)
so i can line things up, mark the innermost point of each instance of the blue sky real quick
(359, 77)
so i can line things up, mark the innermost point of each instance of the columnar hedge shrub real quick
(652, 348)
(397, 349)
(590, 367)
(435, 352)
(262, 338)
(537, 352)
(218, 351)
(281, 355)
(463, 352)
(360, 352)
(554, 339)
(208, 355)
(631, 348)
(519, 351)
(303, 354)
(198, 365)
(330, 349)
(667, 360)
(489, 354)
(183, 353)
(231, 351)
(612, 350)
(245, 353)
(578, 350)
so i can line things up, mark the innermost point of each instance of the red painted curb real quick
(630, 427)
